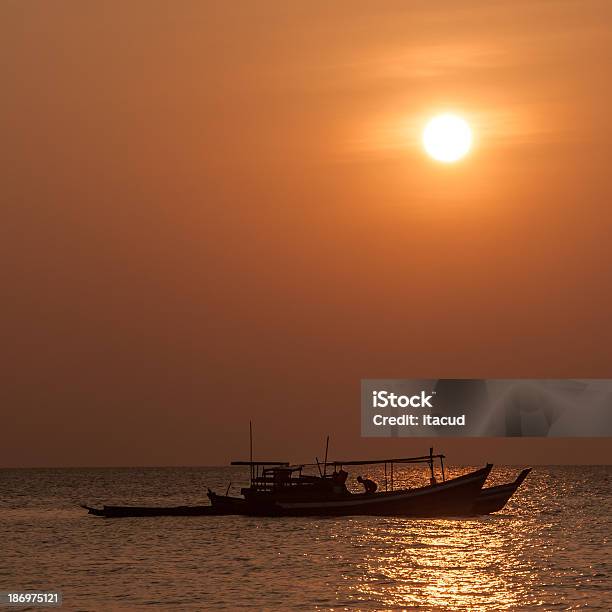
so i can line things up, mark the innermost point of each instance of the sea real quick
(549, 549)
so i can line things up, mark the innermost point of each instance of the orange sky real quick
(216, 212)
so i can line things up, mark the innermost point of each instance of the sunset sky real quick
(220, 211)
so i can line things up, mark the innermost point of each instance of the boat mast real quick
(431, 469)
(251, 447)
(325, 464)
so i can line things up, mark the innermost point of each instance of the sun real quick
(447, 138)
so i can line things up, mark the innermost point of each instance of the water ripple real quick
(548, 550)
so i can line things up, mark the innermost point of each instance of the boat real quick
(493, 499)
(488, 500)
(453, 497)
(280, 489)
(142, 511)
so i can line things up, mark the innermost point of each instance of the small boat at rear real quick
(493, 499)
(142, 511)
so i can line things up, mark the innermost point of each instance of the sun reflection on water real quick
(443, 563)
(472, 564)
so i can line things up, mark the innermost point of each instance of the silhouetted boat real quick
(493, 499)
(422, 501)
(140, 511)
(284, 491)
(279, 489)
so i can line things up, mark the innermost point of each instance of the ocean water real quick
(548, 549)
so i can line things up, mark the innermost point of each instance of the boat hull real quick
(142, 511)
(493, 499)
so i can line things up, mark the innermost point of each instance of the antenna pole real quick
(325, 464)
(319, 467)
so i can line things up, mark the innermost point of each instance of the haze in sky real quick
(216, 212)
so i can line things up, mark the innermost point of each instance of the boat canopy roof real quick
(277, 463)
(422, 459)
(287, 464)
